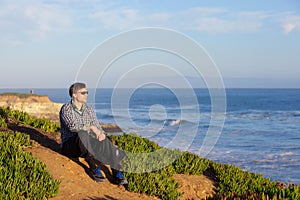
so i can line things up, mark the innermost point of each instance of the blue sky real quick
(254, 43)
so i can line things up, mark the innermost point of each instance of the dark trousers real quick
(93, 150)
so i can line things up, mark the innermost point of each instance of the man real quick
(82, 136)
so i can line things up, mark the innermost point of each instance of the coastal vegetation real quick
(27, 178)
(233, 182)
(20, 95)
(22, 176)
(19, 117)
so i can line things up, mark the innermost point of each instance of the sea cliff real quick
(36, 105)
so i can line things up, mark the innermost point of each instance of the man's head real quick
(78, 92)
(75, 87)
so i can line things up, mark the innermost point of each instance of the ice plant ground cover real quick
(23, 176)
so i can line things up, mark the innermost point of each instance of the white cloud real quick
(29, 20)
(226, 22)
(116, 19)
(219, 20)
(289, 23)
(34, 19)
(288, 27)
(127, 18)
(202, 19)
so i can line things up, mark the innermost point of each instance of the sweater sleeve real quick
(94, 119)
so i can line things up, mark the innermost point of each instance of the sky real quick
(253, 43)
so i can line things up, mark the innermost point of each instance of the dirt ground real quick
(77, 184)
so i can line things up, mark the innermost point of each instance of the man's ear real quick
(73, 95)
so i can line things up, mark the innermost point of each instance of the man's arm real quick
(95, 121)
(95, 126)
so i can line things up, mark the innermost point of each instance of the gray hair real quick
(75, 87)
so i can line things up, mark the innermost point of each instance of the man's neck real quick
(77, 104)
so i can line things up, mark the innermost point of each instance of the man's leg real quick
(81, 143)
(70, 148)
(107, 153)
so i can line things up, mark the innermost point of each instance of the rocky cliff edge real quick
(36, 105)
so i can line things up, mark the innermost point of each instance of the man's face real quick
(81, 95)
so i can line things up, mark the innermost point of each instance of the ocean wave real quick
(270, 115)
(279, 158)
(176, 122)
(286, 154)
(168, 122)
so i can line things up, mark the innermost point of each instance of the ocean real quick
(261, 132)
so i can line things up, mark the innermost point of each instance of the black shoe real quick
(97, 175)
(119, 178)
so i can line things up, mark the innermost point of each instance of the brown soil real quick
(195, 187)
(77, 184)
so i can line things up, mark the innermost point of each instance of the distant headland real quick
(37, 105)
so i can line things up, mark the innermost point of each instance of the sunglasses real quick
(84, 93)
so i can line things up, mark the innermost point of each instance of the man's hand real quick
(99, 134)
